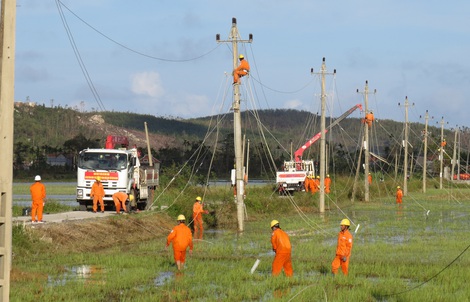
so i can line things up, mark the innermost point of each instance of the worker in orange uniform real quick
(97, 193)
(343, 249)
(369, 119)
(399, 195)
(327, 184)
(242, 70)
(197, 218)
(443, 143)
(181, 237)
(369, 178)
(120, 199)
(307, 183)
(317, 183)
(282, 247)
(38, 197)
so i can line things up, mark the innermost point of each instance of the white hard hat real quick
(37, 178)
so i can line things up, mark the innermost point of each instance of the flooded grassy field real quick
(416, 252)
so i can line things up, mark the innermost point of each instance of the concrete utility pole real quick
(441, 154)
(425, 160)
(454, 154)
(323, 134)
(366, 142)
(234, 38)
(405, 143)
(7, 95)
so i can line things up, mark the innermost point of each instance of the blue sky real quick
(417, 49)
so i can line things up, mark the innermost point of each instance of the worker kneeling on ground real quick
(281, 246)
(120, 199)
(181, 237)
(343, 248)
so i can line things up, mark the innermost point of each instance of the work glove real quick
(344, 259)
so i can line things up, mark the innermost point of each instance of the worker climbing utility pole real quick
(323, 134)
(234, 38)
(441, 154)
(425, 158)
(7, 93)
(367, 125)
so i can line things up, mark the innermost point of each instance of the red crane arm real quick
(300, 151)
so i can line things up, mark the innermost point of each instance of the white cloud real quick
(147, 84)
(293, 104)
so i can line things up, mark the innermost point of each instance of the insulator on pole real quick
(217, 37)
(250, 37)
(234, 20)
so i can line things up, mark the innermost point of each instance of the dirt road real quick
(66, 216)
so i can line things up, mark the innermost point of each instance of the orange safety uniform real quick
(119, 199)
(281, 246)
(443, 143)
(307, 183)
(369, 178)
(399, 196)
(241, 70)
(343, 249)
(316, 184)
(38, 193)
(327, 185)
(97, 193)
(369, 119)
(197, 219)
(181, 237)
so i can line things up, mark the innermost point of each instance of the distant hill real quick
(40, 129)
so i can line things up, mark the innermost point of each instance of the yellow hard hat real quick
(345, 222)
(274, 222)
(318, 176)
(181, 217)
(198, 198)
(241, 57)
(398, 187)
(98, 178)
(327, 175)
(131, 197)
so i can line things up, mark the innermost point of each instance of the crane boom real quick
(300, 151)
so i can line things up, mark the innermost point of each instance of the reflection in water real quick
(81, 273)
(164, 277)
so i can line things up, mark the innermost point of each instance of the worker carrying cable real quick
(343, 249)
(97, 193)
(120, 199)
(242, 70)
(38, 197)
(282, 247)
(198, 210)
(181, 238)
(399, 195)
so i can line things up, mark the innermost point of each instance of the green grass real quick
(398, 254)
(51, 189)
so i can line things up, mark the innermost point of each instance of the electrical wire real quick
(133, 50)
(79, 58)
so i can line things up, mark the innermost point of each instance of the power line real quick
(133, 50)
(79, 58)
